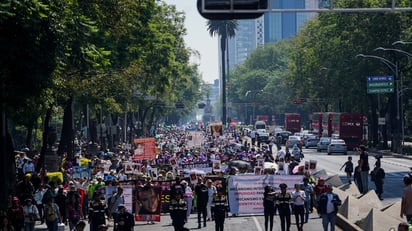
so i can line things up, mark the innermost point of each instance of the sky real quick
(198, 39)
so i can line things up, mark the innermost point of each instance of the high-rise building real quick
(283, 25)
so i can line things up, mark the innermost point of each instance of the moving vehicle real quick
(262, 135)
(323, 144)
(337, 146)
(311, 141)
(292, 140)
(292, 122)
(346, 126)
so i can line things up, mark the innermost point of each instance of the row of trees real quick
(96, 58)
(321, 65)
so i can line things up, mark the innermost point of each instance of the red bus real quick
(292, 122)
(346, 126)
(317, 123)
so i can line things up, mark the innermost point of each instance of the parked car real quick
(323, 143)
(337, 146)
(311, 141)
(292, 140)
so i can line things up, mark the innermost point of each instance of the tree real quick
(224, 29)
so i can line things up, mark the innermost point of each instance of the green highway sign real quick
(380, 84)
(380, 90)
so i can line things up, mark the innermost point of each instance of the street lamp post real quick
(400, 92)
(254, 102)
(395, 69)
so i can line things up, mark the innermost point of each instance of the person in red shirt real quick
(319, 189)
(16, 214)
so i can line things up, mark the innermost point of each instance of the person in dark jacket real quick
(269, 206)
(220, 207)
(178, 209)
(125, 220)
(284, 201)
(202, 194)
(328, 206)
(377, 176)
(97, 213)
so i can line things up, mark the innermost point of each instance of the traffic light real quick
(228, 9)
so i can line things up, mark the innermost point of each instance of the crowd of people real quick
(70, 199)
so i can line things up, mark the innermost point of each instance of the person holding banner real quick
(269, 206)
(284, 200)
(299, 198)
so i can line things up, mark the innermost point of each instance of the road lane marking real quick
(258, 227)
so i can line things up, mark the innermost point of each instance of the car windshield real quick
(324, 139)
(338, 142)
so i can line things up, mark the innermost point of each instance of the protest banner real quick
(144, 149)
(246, 191)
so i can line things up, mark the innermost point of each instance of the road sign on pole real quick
(380, 84)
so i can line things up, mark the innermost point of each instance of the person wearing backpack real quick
(52, 215)
(377, 176)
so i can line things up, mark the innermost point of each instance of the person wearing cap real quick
(319, 189)
(178, 209)
(187, 196)
(125, 220)
(328, 206)
(220, 207)
(31, 214)
(269, 206)
(16, 214)
(284, 200)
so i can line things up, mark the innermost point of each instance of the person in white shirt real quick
(211, 190)
(298, 198)
(188, 197)
(38, 197)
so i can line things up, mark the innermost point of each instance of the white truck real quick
(262, 134)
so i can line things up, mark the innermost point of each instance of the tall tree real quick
(225, 29)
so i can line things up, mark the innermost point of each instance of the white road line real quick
(258, 227)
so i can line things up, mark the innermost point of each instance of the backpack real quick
(50, 213)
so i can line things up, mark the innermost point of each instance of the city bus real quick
(292, 122)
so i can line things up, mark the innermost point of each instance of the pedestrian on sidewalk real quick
(31, 214)
(364, 168)
(328, 206)
(348, 165)
(357, 177)
(377, 176)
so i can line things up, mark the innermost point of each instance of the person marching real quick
(125, 220)
(348, 169)
(269, 206)
(97, 213)
(284, 200)
(201, 191)
(328, 206)
(178, 209)
(220, 207)
(299, 198)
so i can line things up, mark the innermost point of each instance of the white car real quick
(337, 146)
(292, 140)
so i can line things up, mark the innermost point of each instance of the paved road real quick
(242, 222)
